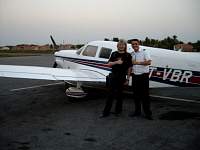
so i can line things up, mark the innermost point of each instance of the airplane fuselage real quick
(168, 68)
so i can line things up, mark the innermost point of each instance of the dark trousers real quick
(140, 85)
(115, 92)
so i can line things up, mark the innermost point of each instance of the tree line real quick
(166, 43)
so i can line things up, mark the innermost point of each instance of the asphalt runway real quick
(36, 115)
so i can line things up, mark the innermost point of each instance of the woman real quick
(120, 62)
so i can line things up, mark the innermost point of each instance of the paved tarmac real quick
(41, 117)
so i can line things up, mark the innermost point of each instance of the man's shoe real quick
(134, 115)
(149, 117)
(104, 115)
(117, 114)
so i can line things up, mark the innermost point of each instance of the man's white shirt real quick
(140, 55)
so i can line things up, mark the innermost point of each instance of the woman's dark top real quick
(121, 69)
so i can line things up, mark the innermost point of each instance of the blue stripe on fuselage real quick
(91, 63)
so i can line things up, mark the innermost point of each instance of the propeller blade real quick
(55, 46)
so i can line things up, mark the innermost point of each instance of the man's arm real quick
(111, 63)
(128, 76)
(145, 63)
(129, 73)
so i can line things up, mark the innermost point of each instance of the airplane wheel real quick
(76, 93)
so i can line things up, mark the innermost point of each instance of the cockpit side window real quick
(105, 52)
(90, 50)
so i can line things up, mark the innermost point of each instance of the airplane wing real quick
(45, 73)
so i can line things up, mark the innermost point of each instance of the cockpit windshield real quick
(79, 50)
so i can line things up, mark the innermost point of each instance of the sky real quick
(81, 21)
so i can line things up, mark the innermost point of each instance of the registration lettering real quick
(177, 75)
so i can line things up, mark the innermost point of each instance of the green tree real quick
(106, 39)
(115, 39)
(147, 42)
(196, 46)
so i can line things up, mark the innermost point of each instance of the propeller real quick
(55, 48)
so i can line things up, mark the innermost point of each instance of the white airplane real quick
(88, 67)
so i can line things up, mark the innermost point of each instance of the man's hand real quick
(135, 62)
(145, 63)
(119, 62)
(126, 82)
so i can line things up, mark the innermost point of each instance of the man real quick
(120, 62)
(140, 79)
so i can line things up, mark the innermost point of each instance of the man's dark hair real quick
(129, 41)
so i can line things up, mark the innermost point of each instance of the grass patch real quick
(16, 53)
